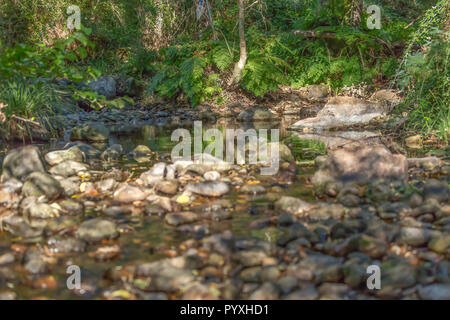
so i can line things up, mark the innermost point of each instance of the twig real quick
(25, 120)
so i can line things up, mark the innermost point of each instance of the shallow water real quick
(150, 233)
(150, 236)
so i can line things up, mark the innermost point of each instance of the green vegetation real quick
(303, 149)
(426, 76)
(162, 44)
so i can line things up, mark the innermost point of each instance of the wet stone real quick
(19, 227)
(414, 236)
(128, 193)
(251, 274)
(41, 184)
(313, 267)
(56, 157)
(156, 173)
(270, 273)
(68, 168)
(116, 211)
(373, 247)
(435, 292)
(354, 165)
(209, 188)
(250, 258)
(287, 284)
(199, 292)
(70, 185)
(106, 185)
(440, 243)
(435, 189)
(21, 162)
(42, 211)
(268, 291)
(396, 275)
(307, 293)
(211, 175)
(292, 205)
(167, 187)
(71, 207)
(113, 153)
(176, 219)
(333, 291)
(96, 229)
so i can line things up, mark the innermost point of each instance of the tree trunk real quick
(237, 73)
(159, 22)
(356, 13)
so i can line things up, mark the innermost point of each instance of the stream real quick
(149, 257)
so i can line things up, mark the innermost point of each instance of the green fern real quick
(222, 57)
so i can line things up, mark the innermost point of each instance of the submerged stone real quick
(209, 188)
(21, 162)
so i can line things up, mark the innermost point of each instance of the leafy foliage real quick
(425, 73)
(26, 74)
(163, 43)
(183, 69)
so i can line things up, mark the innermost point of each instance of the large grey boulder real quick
(361, 165)
(21, 162)
(343, 111)
(105, 86)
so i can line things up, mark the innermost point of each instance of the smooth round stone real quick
(268, 291)
(176, 219)
(106, 185)
(68, 168)
(128, 193)
(96, 230)
(209, 188)
(72, 207)
(56, 157)
(211, 175)
(167, 187)
(42, 211)
(41, 184)
(440, 243)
